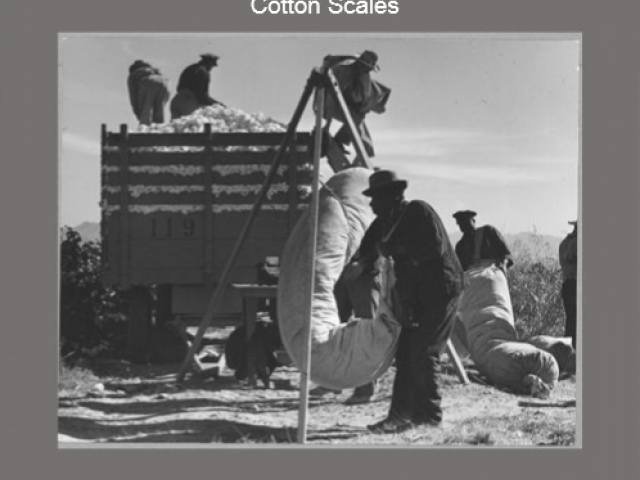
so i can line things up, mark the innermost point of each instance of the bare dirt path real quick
(142, 404)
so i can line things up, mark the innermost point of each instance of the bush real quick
(534, 284)
(92, 316)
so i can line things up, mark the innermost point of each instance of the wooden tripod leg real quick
(457, 364)
(216, 297)
(310, 278)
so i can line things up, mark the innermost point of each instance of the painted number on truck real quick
(171, 227)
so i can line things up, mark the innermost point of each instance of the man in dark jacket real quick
(361, 94)
(429, 281)
(483, 243)
(193, 87)
(148, 92)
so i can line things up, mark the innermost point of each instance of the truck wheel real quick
(139, 324)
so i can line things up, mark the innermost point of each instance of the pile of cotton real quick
(222, 120)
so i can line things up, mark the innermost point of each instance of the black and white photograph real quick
(337, 240)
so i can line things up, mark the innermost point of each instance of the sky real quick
(480, 122)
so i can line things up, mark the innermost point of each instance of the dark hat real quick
(464, 214)
(369, 59)
(573, 222)
(138, 64)
(209, 58)
(383, 180)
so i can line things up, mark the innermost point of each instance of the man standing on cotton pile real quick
(148, 92)
(193, 87)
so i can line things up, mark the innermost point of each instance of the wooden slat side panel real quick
(266, 225)
(192, 157)
(208, 208)
(166, 254)
(179, 227)
(279, 194)
(125, 252)
(167, 226)
(191, 300)
(177, 276)
(110, 237)
(194, 175)
(253, 251)
(200, 139)
(150, 237)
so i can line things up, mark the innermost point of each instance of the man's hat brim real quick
(464, 214)
(385, 187)
(209, 58)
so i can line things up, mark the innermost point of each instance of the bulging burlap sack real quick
(342, 355)
(487, 314)
(560, 348)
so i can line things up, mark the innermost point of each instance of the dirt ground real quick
(144, 404)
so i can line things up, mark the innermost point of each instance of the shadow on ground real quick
(192, 431)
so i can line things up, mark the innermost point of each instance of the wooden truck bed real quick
(173, 206)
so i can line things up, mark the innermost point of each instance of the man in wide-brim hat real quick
(429, 281)
(362, 95)
(193, 87)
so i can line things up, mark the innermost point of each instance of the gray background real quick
(28, 241)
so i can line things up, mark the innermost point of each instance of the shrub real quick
(534, 284)
(92, 316)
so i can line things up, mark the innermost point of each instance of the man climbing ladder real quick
(351, 77)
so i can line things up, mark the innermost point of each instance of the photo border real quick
(29, 239)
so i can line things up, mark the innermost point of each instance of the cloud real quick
(72, 142)
(476, 157)
(424, 142)
(479, 173)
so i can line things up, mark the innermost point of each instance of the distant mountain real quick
(89, 231)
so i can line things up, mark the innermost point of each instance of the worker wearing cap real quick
(361, 94)
(483, 243)
(429, 281)
(148, 92)
(193, 87)
(568, 254)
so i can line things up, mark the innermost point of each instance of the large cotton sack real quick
(342, 355)
(487, 314)
(560, 348)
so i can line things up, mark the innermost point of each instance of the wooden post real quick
(222, 283)
(457, 363)
(104, 251)
(125, 218)
(311, 264)
(208, 206)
